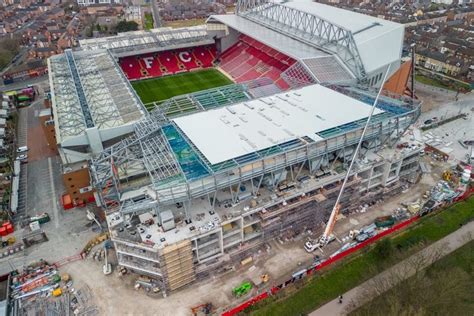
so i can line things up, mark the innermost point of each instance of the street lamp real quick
(413, 70)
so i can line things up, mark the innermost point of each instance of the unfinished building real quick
(184, 198)
(209, 178)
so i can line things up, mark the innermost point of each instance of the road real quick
(405, 268)
(23, 83)
(156, 13)
(40, 190)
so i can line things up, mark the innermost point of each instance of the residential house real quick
(42, 52)
(439, 62)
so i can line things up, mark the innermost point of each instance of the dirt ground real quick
(433, 97)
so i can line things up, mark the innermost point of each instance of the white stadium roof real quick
(146, 41)
(276, 40)
(244, 128)
(378, 40)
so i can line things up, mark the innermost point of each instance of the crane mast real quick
(337, 206)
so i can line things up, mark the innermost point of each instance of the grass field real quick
(148, 21)
(163, 88)
(454, 86)
(331, 282)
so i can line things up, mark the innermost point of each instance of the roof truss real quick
(307, 28)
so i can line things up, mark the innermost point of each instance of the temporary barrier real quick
(299, 275)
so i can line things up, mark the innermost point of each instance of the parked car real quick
(22, 149)
(362, 237)
(22, 157)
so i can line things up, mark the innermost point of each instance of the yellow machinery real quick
(57, 292)
(447, 175)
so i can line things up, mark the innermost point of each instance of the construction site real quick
(185, 200)
(181, 231)
(213, 200)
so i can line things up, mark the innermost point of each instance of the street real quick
(156, 13)
(41, 187)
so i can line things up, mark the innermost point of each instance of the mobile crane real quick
(327, 235)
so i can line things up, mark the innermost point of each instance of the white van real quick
(22, 149)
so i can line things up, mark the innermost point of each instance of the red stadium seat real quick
(131, 67)
(250, 59)
(168, 62)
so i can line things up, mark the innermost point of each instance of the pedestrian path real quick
(406, 268)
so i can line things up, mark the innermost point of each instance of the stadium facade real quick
(206, 179)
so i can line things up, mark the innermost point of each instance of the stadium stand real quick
(167, 62)
(131, 66)
(250, 59)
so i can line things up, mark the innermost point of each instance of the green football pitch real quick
(163, 88)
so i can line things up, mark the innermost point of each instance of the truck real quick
(41, 219)
(311, 245)
(384, 221)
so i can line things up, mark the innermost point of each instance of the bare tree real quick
(408, 290)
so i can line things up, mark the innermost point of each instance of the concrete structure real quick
(208, 178)
(227, 203)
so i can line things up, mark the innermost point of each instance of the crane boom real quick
(335, 210)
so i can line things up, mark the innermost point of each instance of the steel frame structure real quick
(128, 44)
(166, 183)
(298, 75)
(307, 28)
(90, 91)
(135, 154)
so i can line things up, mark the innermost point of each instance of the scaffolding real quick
(177, 265)
(177, 172)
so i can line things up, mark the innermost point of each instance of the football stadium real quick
(251, 122)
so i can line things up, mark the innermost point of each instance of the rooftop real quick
(378, 41)
(164, 38)
(88, 90)
(251, 126)
(276, 40)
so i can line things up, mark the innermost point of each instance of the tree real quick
(422, 285)
(384, 249)
(9, 47)
(126, 26)
(90, 30)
